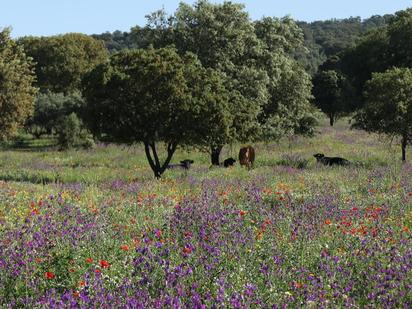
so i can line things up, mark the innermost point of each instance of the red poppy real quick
(82, 283)
(49, 275)
(187, 250)
(97, 271)
(242, 213)
(124, 247)
(104, 264)
(72, 270)
(328, 222)
(76, 294)
(89, 260)
(405, 229)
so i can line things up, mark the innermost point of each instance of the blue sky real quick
(49, 17)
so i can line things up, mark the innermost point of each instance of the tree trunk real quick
(404, 143)
(215, 153)
(331, 120)
(151, 155)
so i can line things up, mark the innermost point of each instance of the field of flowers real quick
(93, 229)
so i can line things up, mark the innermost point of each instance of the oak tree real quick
(17, 93)
(388, 107)
(157, 97)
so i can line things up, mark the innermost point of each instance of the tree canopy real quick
(50, 108)
(251, 57)
(379, 50)
(400, 39)
(388, 107)
(332, 93)
(156, 96)
(63, 60)
(288, 86)
(17, 92)
(322, 39)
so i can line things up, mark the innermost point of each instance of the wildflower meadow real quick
(93, 229)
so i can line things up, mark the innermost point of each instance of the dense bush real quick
(49, 110)
(71, 133)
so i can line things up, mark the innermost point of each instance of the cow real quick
(247, 156)
(229, 162)
(329, 161)
(185, 164)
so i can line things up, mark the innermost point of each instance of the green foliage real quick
(400, 39)
(154, 96)
(289, 103)
(379, 50)
(331, 37)
(322, 39)
(259, 75)
(307, 124)
(17, 92)
(71, 132)
(213, 32)
(50, 108)
(68, 131)
(368, 56)
(289, 86)
(63, 60)
(118, 40)
(280, 34)
(388, 108)
(332, 94)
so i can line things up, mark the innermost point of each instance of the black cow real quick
(320, 157)
(229, 162)
(185, 164)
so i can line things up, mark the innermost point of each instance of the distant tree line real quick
(327, 38)
(322, 39)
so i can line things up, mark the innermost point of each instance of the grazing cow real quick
(247, 156)
(229, 162)
(185, 164)
(320, 157)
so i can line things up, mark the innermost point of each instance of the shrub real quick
(71, 133)
(294, 160)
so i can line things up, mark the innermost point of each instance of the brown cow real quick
(247, 156)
